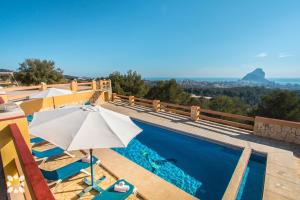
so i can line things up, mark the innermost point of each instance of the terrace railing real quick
(282, 130)
(36, 183)
(17, 161)
(239, 121)
(143, 102)
(35, 105)
(194, 112)
(103, 85)
(175, 108)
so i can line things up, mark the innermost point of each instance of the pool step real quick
(236, 179)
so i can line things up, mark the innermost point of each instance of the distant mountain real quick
(81, 78)
(256, 76)
(5, 70)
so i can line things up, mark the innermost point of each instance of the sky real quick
(157, 38)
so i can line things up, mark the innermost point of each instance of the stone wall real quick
(277, 129)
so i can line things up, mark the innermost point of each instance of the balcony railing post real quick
(94, 85)
(113, 97)
(3, 98)
(43, 86)
(131, 100)
(73, 86)
(101, 85)
(195, 113)
(109, 88)
(156, 105)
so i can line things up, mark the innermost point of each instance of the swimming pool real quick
(252, 183)
(199, 167)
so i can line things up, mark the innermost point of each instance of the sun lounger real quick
(44, 155)
(111, 194)
(67, 171)
(29, 118)
(36, 140)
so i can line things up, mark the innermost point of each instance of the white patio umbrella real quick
(50, 92)
(84, 127)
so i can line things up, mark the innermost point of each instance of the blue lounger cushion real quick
(110, 194)
(37, 140)
(67, 171)
(48, 153)
(29, 118)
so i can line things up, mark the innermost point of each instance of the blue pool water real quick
(199, 167)
(252, 183)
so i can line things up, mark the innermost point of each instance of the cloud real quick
(262, 55)
(284, 55)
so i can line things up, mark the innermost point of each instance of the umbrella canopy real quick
(2, 91)
(84, 127)
(51, 92)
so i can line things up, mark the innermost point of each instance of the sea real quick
(281, 81)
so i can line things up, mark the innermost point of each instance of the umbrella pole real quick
(92, 185)
(92, 171)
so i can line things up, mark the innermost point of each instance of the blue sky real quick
(164, 38)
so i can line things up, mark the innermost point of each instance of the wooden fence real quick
(143, 102)
(195, 112)
(235, 120)
(175, 108)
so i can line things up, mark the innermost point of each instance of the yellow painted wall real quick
(7, 148)
(76, 98)
(4, 97)
(35, 105)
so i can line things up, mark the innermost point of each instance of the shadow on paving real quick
(211, 126)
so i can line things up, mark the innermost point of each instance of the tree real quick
(168, 91)
(249, 95)
(280, 104)
(228, 104)
(35, 71)
(128, 84)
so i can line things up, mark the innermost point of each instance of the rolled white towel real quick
(121, 188)
(121, 183)
(86, 159)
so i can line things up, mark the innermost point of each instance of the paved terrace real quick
(70, 188)
(282, 179)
